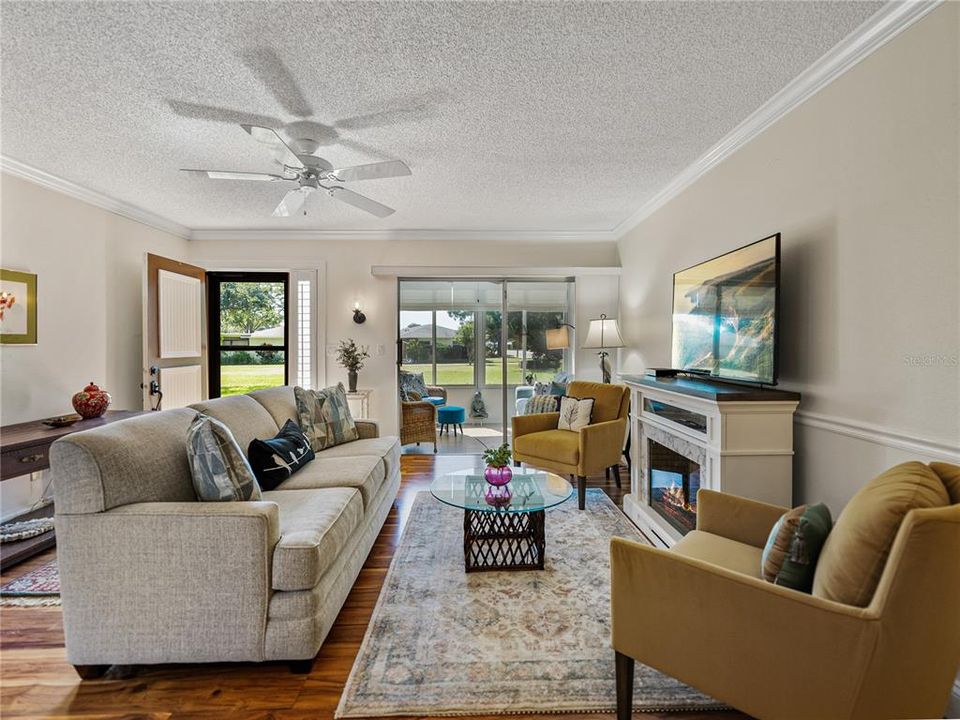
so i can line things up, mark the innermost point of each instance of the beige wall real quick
(88, 263)
(862, 180)
(346, 270)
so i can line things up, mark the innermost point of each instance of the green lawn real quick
(239, 379)
(462, 373)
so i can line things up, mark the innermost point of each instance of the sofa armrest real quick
(601, 445)
(368, 428)
(735, 517)
(167, 582)
(437, 391)
(737, 637)
(526, 424)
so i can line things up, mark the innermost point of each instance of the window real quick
(416, 341)
(304, 355)
(248, 331)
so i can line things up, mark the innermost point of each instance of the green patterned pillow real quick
(324, 416)
(790, 555)
(219, 469)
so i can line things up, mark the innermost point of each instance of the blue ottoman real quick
(451, 415)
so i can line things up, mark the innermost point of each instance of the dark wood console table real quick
(25, 449)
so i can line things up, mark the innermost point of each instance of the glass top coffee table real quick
(503, 527)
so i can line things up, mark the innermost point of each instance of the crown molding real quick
(98, 199)
(489, 271)
(888, 22)
(501, 235)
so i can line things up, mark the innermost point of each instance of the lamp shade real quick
(603, 333)
(558, 339)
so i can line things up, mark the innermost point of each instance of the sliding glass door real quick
(453, 331)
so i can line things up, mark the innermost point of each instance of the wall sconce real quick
(358, 317)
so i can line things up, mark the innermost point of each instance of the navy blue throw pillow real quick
(276, 459)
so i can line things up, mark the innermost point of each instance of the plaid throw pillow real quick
(219, 469)
(541, 404)
(324, 416)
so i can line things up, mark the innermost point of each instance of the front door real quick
(174, 344)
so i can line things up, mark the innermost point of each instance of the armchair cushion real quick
(315, 526)
(854, 555)
(574, 413)
(558, 445)
(716, 550)
(790, 555)
(412, 383)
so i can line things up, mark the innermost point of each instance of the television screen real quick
(725, 314)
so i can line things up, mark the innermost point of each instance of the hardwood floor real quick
(37, 682)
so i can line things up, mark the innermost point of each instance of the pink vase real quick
(498, 496)
(498, 476)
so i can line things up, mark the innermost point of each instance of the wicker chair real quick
(419, 418)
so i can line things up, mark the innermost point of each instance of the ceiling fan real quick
(312, 173)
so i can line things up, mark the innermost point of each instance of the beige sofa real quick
(151, 575)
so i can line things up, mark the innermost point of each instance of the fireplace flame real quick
(674, 495)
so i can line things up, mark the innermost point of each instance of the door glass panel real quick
(242, 371)
(456, 347)
(493, 354)
(416, 342)
(248, 325)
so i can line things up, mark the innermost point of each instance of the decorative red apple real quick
(91, 402)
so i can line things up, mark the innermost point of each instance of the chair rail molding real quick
(878, 435)
(888, 22)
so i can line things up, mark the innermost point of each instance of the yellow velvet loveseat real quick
(593, 449)
(879, 637)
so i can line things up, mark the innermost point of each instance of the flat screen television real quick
(725, 314)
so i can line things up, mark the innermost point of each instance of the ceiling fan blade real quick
(231, 175)
(359, 201)
(292, 202)
(389, 169)
(270, 137)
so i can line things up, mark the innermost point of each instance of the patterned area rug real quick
(37, 587)
(442, 642)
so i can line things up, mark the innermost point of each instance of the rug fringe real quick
(31, 601)
(545, 711)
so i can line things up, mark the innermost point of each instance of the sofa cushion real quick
(324, 416)
(856, 551)
(314, 528)
(950, 476)
(387, 448)
(275, 459)
(220, 470)
(365, 473)
(279, 402)
(718, 550)
(561, 446)
(245, 417)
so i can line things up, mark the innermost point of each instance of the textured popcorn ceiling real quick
(559, 116)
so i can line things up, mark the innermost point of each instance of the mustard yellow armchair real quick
(595, 448)
(701, 613)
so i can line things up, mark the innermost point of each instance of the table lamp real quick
(603, 334)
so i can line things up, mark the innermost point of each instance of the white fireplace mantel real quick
(741, 436)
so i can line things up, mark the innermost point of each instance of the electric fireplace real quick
(673, 481)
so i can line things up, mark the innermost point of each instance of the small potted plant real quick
(351, 356)
(498, 470)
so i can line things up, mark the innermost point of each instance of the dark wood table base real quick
(503, 541)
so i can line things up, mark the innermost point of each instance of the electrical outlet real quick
(331, 350)
(381, 349)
